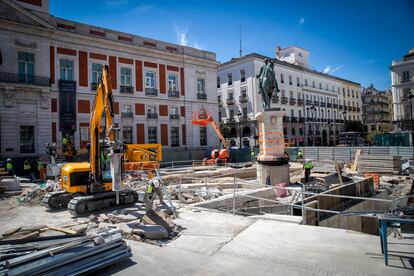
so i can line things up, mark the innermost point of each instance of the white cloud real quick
(337, 68)
(181, 35)
(301, 20)
(327, 69)
(116, 3)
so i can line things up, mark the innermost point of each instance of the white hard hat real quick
(9, 159)
(156, 182)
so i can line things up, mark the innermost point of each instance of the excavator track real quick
(81, 205)
(58, 200)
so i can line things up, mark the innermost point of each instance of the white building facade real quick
(316, 105)
(50, 68)
(402, 79)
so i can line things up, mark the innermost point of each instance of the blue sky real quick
(356, 40)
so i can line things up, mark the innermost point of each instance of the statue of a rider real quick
(267, 83)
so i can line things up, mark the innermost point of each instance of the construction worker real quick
(154, 186)
(252, 155)
(308, 166)
(27, 168)
(300, 154)
(9, 167)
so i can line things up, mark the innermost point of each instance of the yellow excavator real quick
(88, 186)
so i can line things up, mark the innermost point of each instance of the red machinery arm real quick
(204, 118)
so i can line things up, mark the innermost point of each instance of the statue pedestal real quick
(273, 166)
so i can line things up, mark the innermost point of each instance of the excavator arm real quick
(204, 118)
(103, 106)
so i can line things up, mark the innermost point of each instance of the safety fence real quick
(348, 153)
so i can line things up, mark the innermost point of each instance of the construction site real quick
(319, 211)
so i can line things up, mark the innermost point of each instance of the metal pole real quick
(234, 194)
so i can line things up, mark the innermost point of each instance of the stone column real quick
(273, 166)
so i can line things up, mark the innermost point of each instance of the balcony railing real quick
(229, 101)
(300, 102)
(243, 99)
(328, 105)
(323, 104)
(345, 107)
(173, 94)
(340, 106)
(275, 99)
(286, 119)
(308, 102)
(174, 116)
(152, 115)
(26, 79)
(284, 100)
(301, 119)
(294, 119)
(201, 96)
(315, 103)
(126, 89)
(358, 109)
(335, 105)
(127, 114)
(292, 101)
(151, 91)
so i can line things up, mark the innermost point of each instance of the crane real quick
(203, 118)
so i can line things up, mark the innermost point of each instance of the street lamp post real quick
(313, 108)
(410, 97)
(240, 134)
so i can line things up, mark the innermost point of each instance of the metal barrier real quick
(348, 153)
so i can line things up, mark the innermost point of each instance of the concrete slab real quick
(221, 244)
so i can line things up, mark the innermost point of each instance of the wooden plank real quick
(11, 231)
(60, 229)
(339, 171)
(354, 165)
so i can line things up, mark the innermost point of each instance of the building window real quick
(297, 81)
(203, 136)
(26, 67)
(327, 87)
(152, 135)
(127, 134)
(230, 95)
(352, 93)
(320, 85)
(244, 112)
(293, 131)
(175, 142)
(231, 115)
(149, 79)
(300, 131)
(229, 79)
(200, 86)
(96, 73)
(242, 75)
(219, 116)
(300, 113)
(125, 76)
(313, 84)
(356, 94)
(406, 76)
(126, 111)
(151, 110)
(306, 82)
(66, 69)
(172, 82)
(174, 112)
(27, 140)
(291, 94)
(218, 82)
(292, 113)
(348, 92)
(290, 80)
(282, 79)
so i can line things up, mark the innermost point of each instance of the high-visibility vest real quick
(9, 166)
(149, 189)
(104, 157)
(26, 165)
(65, 141)
(308, 165)
(39, 165)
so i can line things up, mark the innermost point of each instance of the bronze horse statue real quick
(267, 83)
